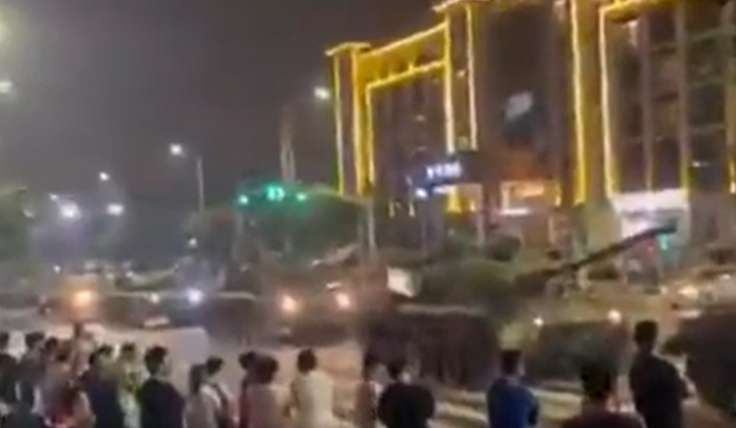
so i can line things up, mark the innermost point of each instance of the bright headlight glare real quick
(689, 292)
(289, 304)
(83, 298)
(154, 298)
(194, 296)
(343, 301)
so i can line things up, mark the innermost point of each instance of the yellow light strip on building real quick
(609, 162)
(622, 9)
(370, 137)
(454, 204)
(404, 76)
(357, 113)
(416, 38)
(470, 25)
(346, 47)
(339, 126)
(581, 125)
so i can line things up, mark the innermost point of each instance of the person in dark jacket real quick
(404, 404)
(598, 381)
(161, 405)
(510, 403)
(31, 366)
(102, 390)
(8, 374)
(22, 415)
(656, 385)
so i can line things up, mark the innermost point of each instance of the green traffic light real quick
(301, 196)
(275, 193)
(243, 200)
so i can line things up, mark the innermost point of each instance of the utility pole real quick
(286, 145)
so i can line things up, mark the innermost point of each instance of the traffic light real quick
(275, 192)
(243, 200)
(302, 196)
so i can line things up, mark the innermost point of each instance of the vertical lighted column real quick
(647, 99)
(586, 94)
(350, 169)
(683, 89)
(609, 105)
(729, 87)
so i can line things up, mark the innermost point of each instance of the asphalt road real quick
(456, 409)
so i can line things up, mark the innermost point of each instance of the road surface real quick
(456, 409)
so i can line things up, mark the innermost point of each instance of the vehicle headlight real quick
(343, 300)
(689, 292)
(615, 316)
(289, 304)
(83, 298)
(155, 298)
(195, 296)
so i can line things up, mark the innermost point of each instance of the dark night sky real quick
(107, 84)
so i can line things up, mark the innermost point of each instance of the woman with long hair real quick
(200, 410)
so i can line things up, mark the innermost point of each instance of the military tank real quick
(708, 344)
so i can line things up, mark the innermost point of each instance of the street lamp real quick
(320, 94)
(179, 151)
(70, 211)
(6, 87)
(104, 177)
(115, 209)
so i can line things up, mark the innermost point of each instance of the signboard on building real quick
(457, 168)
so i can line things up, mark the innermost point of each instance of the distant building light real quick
(421, 194)
(515, 212)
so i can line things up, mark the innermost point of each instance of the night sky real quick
(107, 84)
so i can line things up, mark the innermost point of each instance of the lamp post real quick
(179, 151)
(287, 157)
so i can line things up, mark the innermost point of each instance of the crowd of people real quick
(77, 383)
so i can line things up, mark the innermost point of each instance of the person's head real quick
(51, 347)
(197, 378)
(645, 335)
(247, 360)
(511, 362)
(396, 369)
(101, 358)
(266, 368)
(34, 341)
(213, 366)
(598, 381)
(64, 354)
(306, 361)
(4, 340)
(370, 367)
(156, 361)
(128, 352)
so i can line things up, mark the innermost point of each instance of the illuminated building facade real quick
(465, 83)
(623, 108)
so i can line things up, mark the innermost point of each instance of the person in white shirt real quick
(219, 392)
(368, 390)
(312, 394)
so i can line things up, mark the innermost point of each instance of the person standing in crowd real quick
(366, 394)
(264, 408)
(312, 394)
(201, 409)
(74, 410)
(247, 364)
(57, 376)
(129, 378)
(22, 415)
(598, 382)
(102, 390)
(219, 392)
(160, 403)
(31, 368)
(8, 375)
(404, 404)
(510, 403)
(655, 383)
(83, 345)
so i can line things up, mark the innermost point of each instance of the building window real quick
(631, 119)
(702, 15)
(661, 26)
(708, 165)
(665, 71)
(666, 159)
(631, 166)
(706, 105)
(704, 60)
(666, 116)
